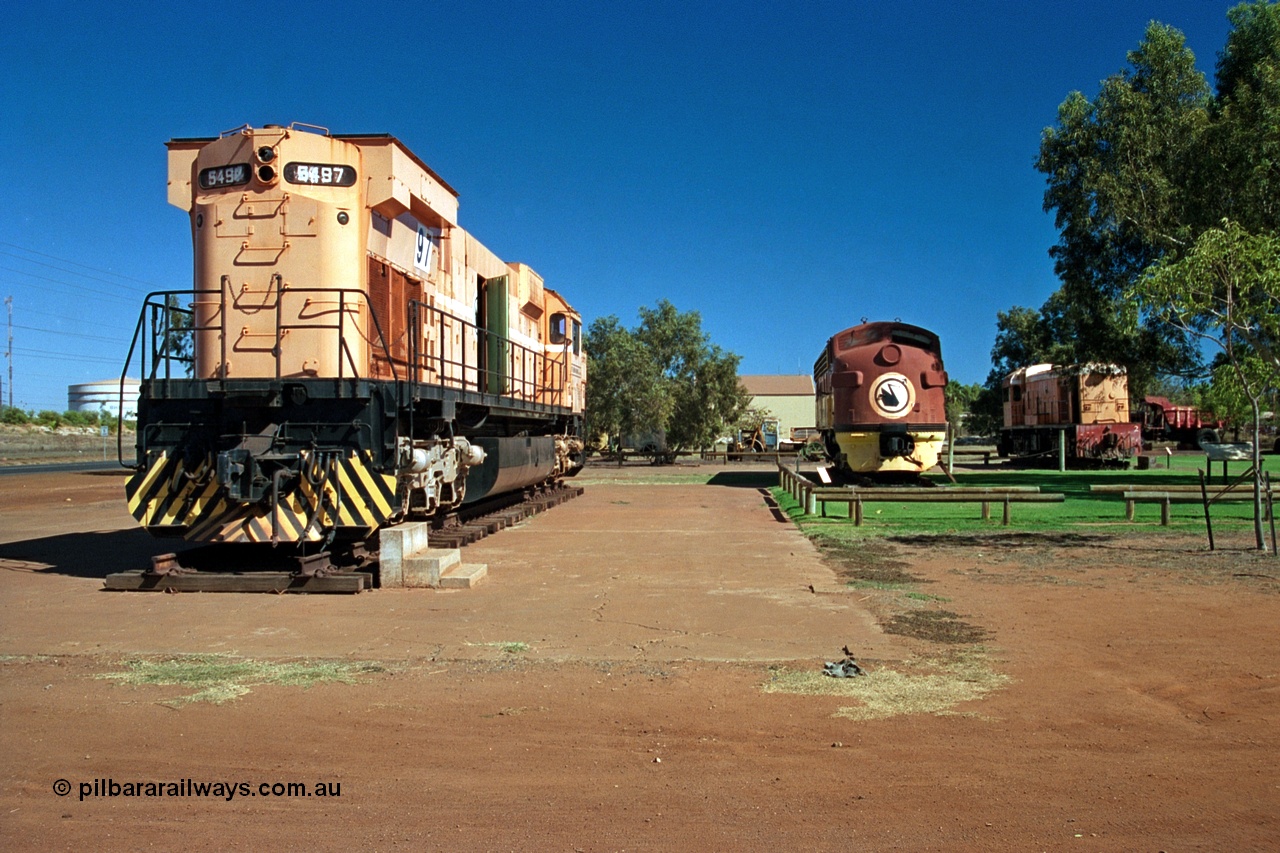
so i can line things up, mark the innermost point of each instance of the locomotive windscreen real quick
(904, 336)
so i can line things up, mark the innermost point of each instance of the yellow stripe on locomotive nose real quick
(350, 494)
(140, 487)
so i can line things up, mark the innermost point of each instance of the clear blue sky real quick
(784, 169)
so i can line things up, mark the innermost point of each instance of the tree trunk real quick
(1259, 539)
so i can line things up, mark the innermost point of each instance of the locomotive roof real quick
(1034, 370)
(378, 138)
(884, 328)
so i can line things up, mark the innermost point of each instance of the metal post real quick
(1204, 495)
(1271, 513)
(1062, 450)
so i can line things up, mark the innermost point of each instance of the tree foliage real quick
(625, 395)
(1165, 194)
(1226, 291)
(179, 334)
(1117, 170)
(960, 400)
(664, 376)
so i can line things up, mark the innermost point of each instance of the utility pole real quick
(8, 302)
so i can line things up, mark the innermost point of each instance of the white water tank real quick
(104, 396)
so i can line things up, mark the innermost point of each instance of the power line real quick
(148, 284)
(42, 354)
(81, 287)
(74, 335)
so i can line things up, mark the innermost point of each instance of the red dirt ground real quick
(1140, 711)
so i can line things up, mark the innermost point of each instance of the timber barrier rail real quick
(1134, 494)
(814, 497)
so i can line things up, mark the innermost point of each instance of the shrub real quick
(13, 415)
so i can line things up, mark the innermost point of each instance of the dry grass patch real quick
(882, 693)
(221, 678)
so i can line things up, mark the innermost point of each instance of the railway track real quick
(487, 517)
(354, 570)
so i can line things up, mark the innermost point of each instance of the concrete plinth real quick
(464, 576)
(394, 545)
(424, 568)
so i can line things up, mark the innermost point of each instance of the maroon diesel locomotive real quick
(881, 399)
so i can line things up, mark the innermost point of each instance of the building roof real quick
(786, 385)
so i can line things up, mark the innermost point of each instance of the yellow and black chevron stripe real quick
(335, 492)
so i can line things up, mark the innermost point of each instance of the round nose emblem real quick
(892, 395)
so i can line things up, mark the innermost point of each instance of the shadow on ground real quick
(86, 555)
(744, 479)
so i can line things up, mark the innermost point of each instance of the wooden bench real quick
(960, 454)
(1134, 494)
(819, 497)
(1167, 498)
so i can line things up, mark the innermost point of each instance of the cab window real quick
(577, 337)
(559, 327)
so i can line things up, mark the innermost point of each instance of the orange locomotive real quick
(881, 400)
(1087, 404)
(355, 358)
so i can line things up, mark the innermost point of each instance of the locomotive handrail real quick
(343, 348)
(155, 332)
(536, 367)
(159, 354)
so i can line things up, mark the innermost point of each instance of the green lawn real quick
(1080, 510)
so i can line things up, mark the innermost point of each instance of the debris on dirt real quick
(870, 560)
(847, 668)
(933, 685)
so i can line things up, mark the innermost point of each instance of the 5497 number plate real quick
(319, 174)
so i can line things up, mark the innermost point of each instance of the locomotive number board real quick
(224, 176)
(320, 174)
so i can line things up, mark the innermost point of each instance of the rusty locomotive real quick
(881, 400)
(1087, 405)
(352, 358)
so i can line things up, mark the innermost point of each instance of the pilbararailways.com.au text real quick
(191, 788)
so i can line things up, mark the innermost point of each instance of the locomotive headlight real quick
(343, 218)
(266, 154)
(266, 174)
